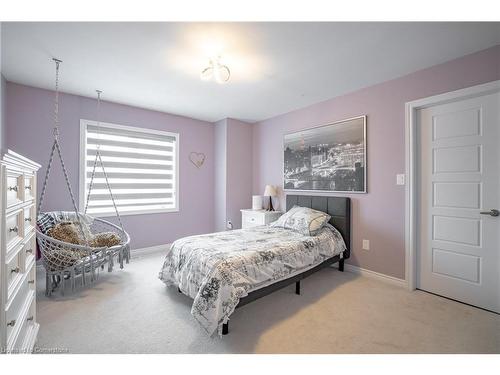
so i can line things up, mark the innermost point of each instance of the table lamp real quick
(270, 192)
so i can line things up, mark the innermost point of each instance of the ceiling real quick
(275, 67)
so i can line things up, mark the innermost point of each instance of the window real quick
(141, 165)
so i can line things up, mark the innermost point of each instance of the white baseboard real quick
(136, 253)
(375, 275)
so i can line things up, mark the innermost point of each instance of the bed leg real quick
(341, 265)
(225, 328)
(297, 287)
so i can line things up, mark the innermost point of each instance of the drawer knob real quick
(13, 229)
(12, 188)
(12, 323)
(29, 319)
(29, 251)
(15, 270)
(31, 281)
(28, 219)
(28, 187)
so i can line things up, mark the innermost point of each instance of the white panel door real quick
(459, 193)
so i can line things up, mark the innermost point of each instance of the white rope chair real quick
(68, 261)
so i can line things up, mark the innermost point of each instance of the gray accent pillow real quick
(303, 220)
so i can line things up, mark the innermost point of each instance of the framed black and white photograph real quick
(327, 158)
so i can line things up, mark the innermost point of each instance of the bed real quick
(226, 270)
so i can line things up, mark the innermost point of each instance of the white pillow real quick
(303, 220)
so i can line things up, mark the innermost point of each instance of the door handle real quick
(492, 212)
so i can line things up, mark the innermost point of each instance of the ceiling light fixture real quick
(215, 70)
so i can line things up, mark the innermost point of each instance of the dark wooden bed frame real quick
(339, 208)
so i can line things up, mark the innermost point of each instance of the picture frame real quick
(327, 158)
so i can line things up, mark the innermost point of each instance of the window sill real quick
(142, 212)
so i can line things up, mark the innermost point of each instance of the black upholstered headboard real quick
(339, 208)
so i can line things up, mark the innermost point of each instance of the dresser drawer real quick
(14, 270)
(14, 189)
(29, 187)
(32, 279)
(29, 219)
(29, 250)
(14, 309)
(28, 323)
(20, 322)
(12, 229)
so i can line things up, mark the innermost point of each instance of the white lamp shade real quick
(270, 191)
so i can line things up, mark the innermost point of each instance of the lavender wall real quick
(2, 97)
(238, 170)
(3, 89)
(28, 131)
(378, 215)
(233, 171)
(220, 183)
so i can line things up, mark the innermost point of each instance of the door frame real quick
(411, 164)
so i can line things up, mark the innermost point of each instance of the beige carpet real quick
(131, 311)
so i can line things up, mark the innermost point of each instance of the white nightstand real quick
(252, 218)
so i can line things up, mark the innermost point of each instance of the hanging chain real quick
(55, 133)
(56, 101)
(111, 194)
(56, 147)
(101, 163)
(46, 179)
(99, 92)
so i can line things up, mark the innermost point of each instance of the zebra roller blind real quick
(141, 165)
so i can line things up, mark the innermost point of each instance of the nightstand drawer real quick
(251, 222)
(253, 218)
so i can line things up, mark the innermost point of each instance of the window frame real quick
(82, 167)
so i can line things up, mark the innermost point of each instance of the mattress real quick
(219, 269)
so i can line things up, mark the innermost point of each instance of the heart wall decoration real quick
(197, 158)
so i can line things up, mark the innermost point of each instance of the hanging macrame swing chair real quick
(87, 252)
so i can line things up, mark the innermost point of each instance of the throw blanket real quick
(48, 220)
(218, 269)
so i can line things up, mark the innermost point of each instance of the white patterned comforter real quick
(218, 269)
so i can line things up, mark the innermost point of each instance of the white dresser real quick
(253, 218)
(18, 326)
